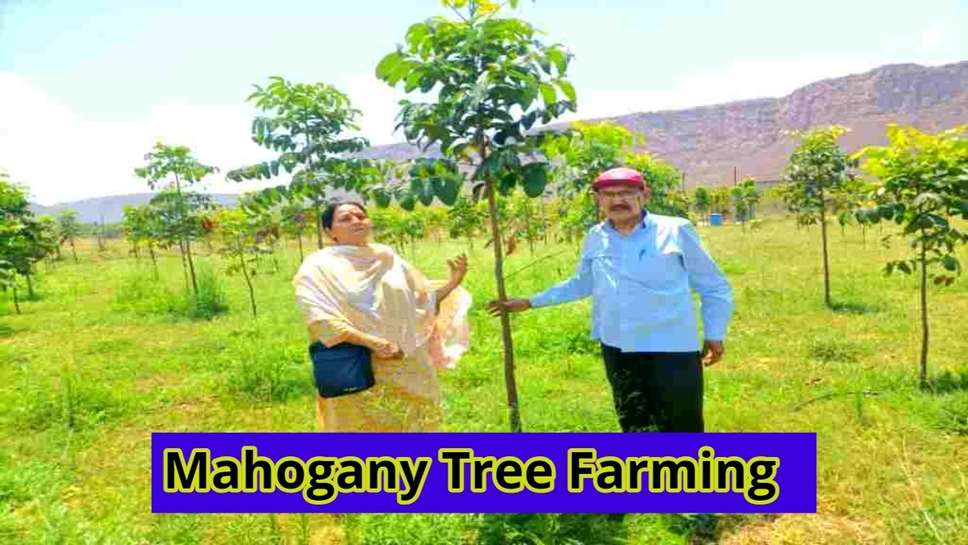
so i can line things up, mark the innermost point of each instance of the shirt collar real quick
(644, 224)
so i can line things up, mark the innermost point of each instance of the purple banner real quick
(484, 473)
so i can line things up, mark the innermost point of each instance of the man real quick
(638, 267)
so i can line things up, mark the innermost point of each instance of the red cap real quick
(619, 176)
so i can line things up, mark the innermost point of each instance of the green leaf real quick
(388, 65)
(420, 185)
(545, 64)
(568, 89)
(491, 167)
(560, 59)
(962, 208)
(950, 263)
(407, 202)
(381, 197)
(401, 71)
(425, 192)
(528, 120)
(535, 179)
(548, 94)
(413, 80)
(448, 190)
(926, 198)
(417, 34)
(506, 183)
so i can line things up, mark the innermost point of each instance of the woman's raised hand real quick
(458, 268)
(387, 350)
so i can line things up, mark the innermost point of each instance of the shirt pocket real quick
(658, 270)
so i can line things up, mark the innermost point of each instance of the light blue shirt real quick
(640, 286)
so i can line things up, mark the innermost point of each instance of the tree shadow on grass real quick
(948, 382)
(604, 529)
(705, 528)
(854, 307)
(550, 529)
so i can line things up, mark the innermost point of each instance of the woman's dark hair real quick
(330, 211)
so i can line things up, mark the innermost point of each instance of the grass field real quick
(105, 355)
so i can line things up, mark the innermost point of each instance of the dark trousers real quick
(655, 391)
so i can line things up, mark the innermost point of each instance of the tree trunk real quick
(16, 301)
(181, 252)
(299, 241)
(826, 264)
(273, 248)
(183, 244)
(154, 263)
(248, 281)
(544, 224)
(191, 265)
(30, 286)
(74, 251)
(510, 383)
(527, 226)
(319, 229)
(309, 168)
(100, 236)
(924, 315)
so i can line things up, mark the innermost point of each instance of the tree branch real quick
(830, 395)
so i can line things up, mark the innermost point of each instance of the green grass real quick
(106, 355)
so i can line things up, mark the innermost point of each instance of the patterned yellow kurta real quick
(350, 292)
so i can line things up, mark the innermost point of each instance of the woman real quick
(365, 294)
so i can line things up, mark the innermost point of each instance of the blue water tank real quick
(715, 219)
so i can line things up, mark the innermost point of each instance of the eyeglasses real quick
(619, 195)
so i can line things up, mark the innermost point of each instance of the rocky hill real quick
(111, 209)
(709, 141)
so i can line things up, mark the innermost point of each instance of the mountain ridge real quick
(713, 143)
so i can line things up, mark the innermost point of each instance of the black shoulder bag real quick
(341, 369)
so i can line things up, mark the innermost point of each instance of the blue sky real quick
(88, 86)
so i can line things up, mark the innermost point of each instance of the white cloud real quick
(378, 102)
(930, 40)
(62, 157)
